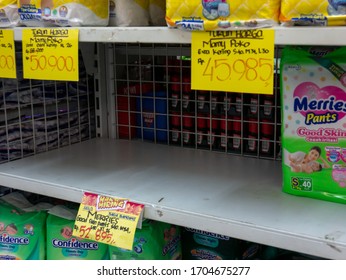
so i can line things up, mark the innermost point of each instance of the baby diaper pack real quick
(61, 245)
(211, 15)
(313, 96)
(8, 13)
(154, 241)
(313, 12)
(38, 13)
(22, 233)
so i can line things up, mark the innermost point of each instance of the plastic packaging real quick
(207, 15)
(203, 245)
(61, 245)
(43, 13)
(313, 12)
(22, 231)
(157, 12)
(154, 241)
(313, 98)
(131, 13)
(9, 16)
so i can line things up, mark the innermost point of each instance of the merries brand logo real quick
(319, 105)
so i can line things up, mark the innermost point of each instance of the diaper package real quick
(157, 12)
(203, 245)
(313, 12)
(222, 14)
(9, 16)
(22, 232)
(61, 245)
(63, 12)
(154, 241)
(131, 13)
(313, 85)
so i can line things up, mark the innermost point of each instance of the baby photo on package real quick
(313, 96)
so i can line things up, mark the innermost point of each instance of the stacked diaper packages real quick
(313, 12)
(126, 13)
(222, 14)
(22, 229)
(61, 245)
(9, 16)
(153, 241)
(313, 96)
(41, 13)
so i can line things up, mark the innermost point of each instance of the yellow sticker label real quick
(108, 220)
(50, 54)
(7, 54)
(233, 61)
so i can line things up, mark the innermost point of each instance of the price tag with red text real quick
(108, 220)
(50, 54)
(237, 61)
(7, 54)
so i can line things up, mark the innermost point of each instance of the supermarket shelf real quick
(216, 192)
(283, 35)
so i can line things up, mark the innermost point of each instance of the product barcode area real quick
(154, 102)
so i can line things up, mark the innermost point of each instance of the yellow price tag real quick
(7, 54)
(236, 61)
(50, 54)
(108, 220)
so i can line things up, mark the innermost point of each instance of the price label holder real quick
(50, 54)
(236, 61)
(7, 54)
(108, 220)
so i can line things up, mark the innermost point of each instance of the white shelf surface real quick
(283, 35)
(230, 195)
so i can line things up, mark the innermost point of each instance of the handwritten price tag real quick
(7, 55)
(108, 220)
(50, 54)
(238, 61)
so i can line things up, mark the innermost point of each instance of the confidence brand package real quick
(22, 232)
(63, 12)
(313, 95)
(313, 12)
(154, 241)
(221, 14)
(61, 245)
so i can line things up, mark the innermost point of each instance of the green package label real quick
(22, 234)
(313, 97)
(202, 245)
(154, 241)
(61, 245)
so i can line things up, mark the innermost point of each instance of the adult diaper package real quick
(154, 241)
(313, 12)
(61, 245)
(22, 232)
(203, 245)
(64, 12)
(222, 14)
(9, 16)
(313, 84)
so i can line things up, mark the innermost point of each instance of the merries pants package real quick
(313, 84)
